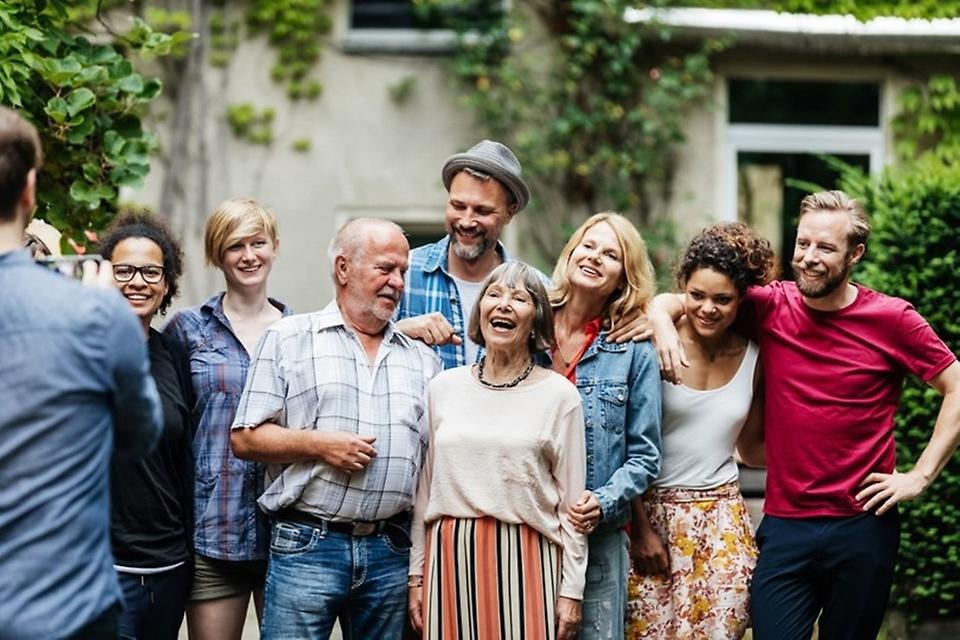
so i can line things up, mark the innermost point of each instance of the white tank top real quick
(700, 429)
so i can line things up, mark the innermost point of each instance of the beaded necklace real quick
(502, 385)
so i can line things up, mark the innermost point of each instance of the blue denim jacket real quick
(619, 386)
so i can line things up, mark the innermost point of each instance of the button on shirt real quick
(227, 524)
(75, 387)
(311, 372)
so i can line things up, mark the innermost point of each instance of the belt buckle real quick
(364, 528)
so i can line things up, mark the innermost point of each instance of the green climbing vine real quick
(594, 106)
(861, 9)
(929, 121)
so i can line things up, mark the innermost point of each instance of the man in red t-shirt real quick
(835, 355)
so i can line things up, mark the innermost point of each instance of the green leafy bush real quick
(914, 253)
(85, 98)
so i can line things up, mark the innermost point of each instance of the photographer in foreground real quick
(75, 386)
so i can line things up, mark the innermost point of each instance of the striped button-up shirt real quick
(311, 372)
(430, 288)
(227, 524)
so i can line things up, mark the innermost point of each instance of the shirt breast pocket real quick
(216, 368)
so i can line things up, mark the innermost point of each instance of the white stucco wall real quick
(370, 156)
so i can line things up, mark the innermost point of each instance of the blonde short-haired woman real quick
(230, 535)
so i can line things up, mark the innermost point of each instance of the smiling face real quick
(247, 262)
(144, 297)
(822, 256)
(507, 315)
(371, 280)
(596, 264)
(711, 302)
(477, 211)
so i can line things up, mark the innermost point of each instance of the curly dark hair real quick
(733, 249)
(139, 224)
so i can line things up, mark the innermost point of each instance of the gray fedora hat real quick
(496, 159)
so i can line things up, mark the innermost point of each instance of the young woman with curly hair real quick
(692, 541)
(151, 518)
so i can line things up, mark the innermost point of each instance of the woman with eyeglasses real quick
(151, 499)
(231, 536)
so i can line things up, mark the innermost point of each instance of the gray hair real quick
(350, 239)
(519, 274)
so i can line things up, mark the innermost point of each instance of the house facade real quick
(787, 90)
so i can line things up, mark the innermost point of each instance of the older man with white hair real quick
(335, 403)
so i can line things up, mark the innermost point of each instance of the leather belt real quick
(358, 528)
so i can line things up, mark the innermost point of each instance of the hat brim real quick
(515, 185)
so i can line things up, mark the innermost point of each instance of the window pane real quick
(789, 102)
(419, 234)
(402, 14)
(770, 205)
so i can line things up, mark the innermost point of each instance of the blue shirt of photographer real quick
(75, 386)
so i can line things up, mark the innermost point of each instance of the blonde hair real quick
(234, 220)
(840, 202)
(639, 279)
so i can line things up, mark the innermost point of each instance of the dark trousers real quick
(839, 569)
(103, 627)
(153, 604)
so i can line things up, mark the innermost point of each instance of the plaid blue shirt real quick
(431, 288)
(227, 523)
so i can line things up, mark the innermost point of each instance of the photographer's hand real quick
(97, 274)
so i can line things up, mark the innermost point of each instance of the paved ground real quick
(250, 630)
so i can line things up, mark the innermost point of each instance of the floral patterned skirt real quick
(709, 538)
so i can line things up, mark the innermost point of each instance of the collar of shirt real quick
(438, 256)
(214, 306)
(330, 317)
(15, 258)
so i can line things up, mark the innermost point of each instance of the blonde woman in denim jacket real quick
(603, 274)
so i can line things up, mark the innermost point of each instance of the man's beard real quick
(820, 288)
(473, 252)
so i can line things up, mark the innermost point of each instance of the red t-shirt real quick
(832, 385)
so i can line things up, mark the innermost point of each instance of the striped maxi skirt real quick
(489, 580)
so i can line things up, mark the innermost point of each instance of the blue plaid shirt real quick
(431, 288)
(227, 523)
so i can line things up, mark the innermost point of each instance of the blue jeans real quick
(605, 592)
(316, 576)
(842, 567)
(153, 604)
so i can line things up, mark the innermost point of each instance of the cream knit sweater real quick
(515, 454)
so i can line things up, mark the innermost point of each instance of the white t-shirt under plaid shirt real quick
(311, 372)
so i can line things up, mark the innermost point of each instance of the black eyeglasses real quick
(151, 274)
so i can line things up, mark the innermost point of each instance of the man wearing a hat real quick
(486, 190)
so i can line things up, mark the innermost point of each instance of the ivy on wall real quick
(861, 9)
(929, 121)
(593, 106)
(915, 254)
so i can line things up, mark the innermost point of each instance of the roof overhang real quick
(808, 33)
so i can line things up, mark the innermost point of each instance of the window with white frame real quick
(778, 132)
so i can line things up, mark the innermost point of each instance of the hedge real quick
(913, 254)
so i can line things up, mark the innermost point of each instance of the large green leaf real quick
(79, 100)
